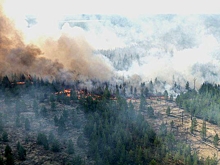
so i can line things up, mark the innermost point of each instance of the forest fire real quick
(126, 115)
(83, 93)
(20, 83)
(67, 92)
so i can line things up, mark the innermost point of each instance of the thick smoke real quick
(172, 48)
(77, 56)
(181, 46)
(65, 57)
(15, 55)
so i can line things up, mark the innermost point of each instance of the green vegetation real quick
(168, 111)
(193, 125)
(118, 134)
(203, 131)
(215, 140)
(9, 156)
(5, 136)
(55, 147)
(27, 125)
(42, 140)
(203, 104)
(21, 151)
(70, 148)
(102, 125)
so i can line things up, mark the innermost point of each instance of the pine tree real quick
(52, 99)
(153, 162)
(131, 90)
(215, 140)
(56, 121)
(1, 161)
(143, 103)
(168, 111)
(172, 124)
(8, 150)
(65, 114)
(5, 136)
(193, 125)
(42, 140)
(187, 85)
(17, 122)
(80, 142)
(5, 82)
(44, 111)
(150, 111)
(165, 94)
(73, 95)
(1, 124)
(171, 97)
(77, 160)
(107, 93)
(10, 160)
(35, 106)
(21, 152)
(51, 137)
(61, 126)
(27, 125)
(55, 146)
(70, 147)
(53, 106)
(203, 131)
(135, 92)
(146, 92)
(163, 129)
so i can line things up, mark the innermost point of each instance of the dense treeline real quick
(121, 58)
(118, 134)
(115, 132)
(204, 104)
(28, 101)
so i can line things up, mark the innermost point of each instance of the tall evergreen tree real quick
(55, 147)
(27, 124)
(21, 151)
(1, 161)
(8, 150)
(70, 147)
(10, 160)
(187, 85)
(166, 95)
(215, 140)
(5, 136)
(203, 131)
(193, 125)
(168, 111)
(5, 82)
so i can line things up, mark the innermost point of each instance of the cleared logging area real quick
(181, 126)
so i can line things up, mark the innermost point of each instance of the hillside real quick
(54, 123)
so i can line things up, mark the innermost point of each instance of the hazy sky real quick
(127, 7)
(162, 39)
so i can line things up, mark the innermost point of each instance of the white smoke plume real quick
(93, 46)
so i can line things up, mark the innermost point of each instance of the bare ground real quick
(182, 129)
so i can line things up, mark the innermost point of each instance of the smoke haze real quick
(65, 57)
(92, 46)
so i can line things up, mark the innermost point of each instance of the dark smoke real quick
(15, 56)
(69, 58)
